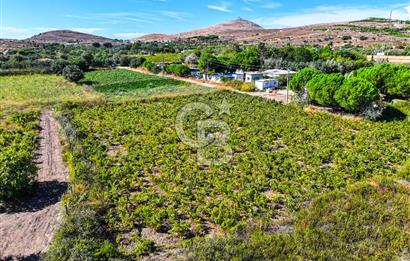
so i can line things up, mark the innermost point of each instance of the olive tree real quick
(73, 73)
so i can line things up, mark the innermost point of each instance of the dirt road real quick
(27, 227)
(277, 95)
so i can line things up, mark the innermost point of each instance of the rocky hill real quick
(362, 33)
(69, 37)
(219, 29)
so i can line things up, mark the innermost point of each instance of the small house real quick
(218, 77)
(239, 75)
(266, 84)
(253, 76)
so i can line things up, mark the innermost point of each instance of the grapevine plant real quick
(17, 142)
(131, 167)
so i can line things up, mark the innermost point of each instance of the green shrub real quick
(17, 167)
(124, 60)
(152, 67)
(356, 94)
(58, 66)
(404, 171)
(178, 69)
(17, 172)
(366, 221)
(137, 62)
(323, 87)
(401, 87)
(107, 45)
(382, 76)
(301, 78)
(73, 73)
(82, 237)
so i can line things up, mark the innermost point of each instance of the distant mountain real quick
(219, 29)
(69, 37)
(360, 33)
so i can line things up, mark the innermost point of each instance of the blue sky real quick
(125, 19)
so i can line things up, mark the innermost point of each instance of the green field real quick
(38, 89)
(166, 57)
(131, 171)
(127, 83)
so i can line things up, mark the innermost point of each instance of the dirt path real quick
(27, 227)
(278, 95)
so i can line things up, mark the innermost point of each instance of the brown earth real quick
(59, 36)
(67, 36)
(28, 226)
(244, 31)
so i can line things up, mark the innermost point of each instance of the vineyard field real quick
(121, 82)
(166, 57)
(18, 136)
(140, 174)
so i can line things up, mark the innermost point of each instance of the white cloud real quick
(222, 7)
(118, 17)
(270, 5)
(262, 4)
(128, 35)
(329, 14)
(407, 9)
(174, 15)
(138, 18)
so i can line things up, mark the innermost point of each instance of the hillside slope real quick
(363, 33)
(67, 36)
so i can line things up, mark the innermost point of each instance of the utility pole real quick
(287, 87)
(206, 70)
(163, 62)
(391, 21)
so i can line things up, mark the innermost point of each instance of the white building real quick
(275, 73)
(253, 76)
(268, 74)
(266, 84)
(239, 75)
(218, 77)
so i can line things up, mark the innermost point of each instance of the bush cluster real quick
(73, 73)
(391, 80)
(152, 67)
(357, 92)
(178, 69)
(137, 62)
